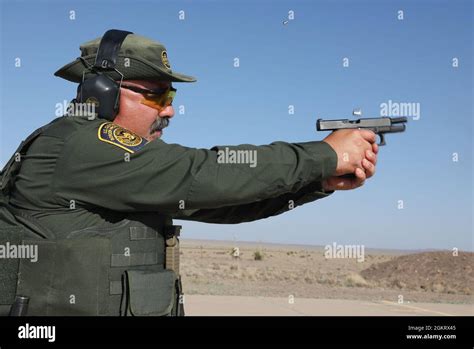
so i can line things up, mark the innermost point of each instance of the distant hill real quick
(439, 272)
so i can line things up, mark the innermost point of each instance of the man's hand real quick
(357, 156)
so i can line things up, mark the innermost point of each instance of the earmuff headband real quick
(109, 48)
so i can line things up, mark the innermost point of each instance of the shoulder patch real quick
(120, 137)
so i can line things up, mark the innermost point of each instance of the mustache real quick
(159, 124)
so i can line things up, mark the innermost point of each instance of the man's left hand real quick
(359, 176)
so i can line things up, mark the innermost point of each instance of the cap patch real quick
(164, 59)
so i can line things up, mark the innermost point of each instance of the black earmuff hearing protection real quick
(101, 89)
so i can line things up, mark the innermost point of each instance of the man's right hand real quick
(351, 147)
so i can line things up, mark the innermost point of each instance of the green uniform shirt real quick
(80, 173)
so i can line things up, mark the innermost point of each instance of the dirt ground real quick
(210, 268)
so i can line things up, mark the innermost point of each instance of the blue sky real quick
(298, 64)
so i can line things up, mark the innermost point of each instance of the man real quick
(97, 195)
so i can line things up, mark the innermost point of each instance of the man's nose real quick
(168, 112)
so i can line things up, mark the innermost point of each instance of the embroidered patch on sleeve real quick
(120, 137)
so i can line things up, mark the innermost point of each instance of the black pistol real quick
(380, 126)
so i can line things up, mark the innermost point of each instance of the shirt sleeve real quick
(257, 210)
(168, 178)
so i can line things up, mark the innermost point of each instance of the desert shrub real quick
(257, 255)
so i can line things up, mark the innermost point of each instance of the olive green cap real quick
(139, 58)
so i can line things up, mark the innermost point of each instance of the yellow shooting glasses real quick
(158, 98)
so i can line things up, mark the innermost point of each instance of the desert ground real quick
(274, 279)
